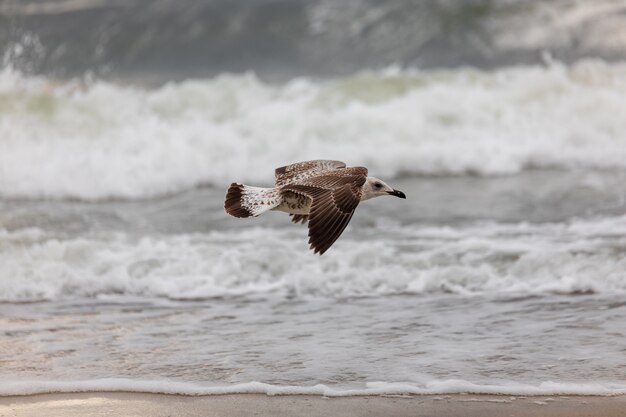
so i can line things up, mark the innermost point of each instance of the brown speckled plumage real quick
(324, 193)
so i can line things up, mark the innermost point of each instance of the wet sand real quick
(138, 404)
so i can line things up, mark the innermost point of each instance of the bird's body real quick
(323, 193)
(296, 204)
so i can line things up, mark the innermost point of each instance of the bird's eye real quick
(378, 185)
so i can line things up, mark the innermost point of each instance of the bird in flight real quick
(323, 193)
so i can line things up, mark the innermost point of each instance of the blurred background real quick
(280, 39)
(122, 122)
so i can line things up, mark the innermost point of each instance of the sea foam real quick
(101, 140)
(580, 256)
(374, 388)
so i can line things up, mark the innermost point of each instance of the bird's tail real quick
(245, 201)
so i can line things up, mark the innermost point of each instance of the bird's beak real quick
(397, 193)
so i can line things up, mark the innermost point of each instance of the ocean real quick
(504, 270)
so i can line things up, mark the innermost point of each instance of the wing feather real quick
(331, 211)
(334, 200)
(324, 234)
(301, 170)
(299, 218)
(336, 178)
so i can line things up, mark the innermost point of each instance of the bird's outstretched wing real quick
(302, 170)
(334, 197)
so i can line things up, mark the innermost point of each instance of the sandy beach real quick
(137, 404)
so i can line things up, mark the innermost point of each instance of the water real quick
(446, 293)
(131, 142)
(147, 41)
(342, 344)
(502, 272)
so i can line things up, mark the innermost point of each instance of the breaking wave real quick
(101, 140)
(582, 256)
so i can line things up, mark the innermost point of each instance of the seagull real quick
(323, 193)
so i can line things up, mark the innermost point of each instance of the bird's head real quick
(374, 187)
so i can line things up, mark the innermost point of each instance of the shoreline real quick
(234, 405)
